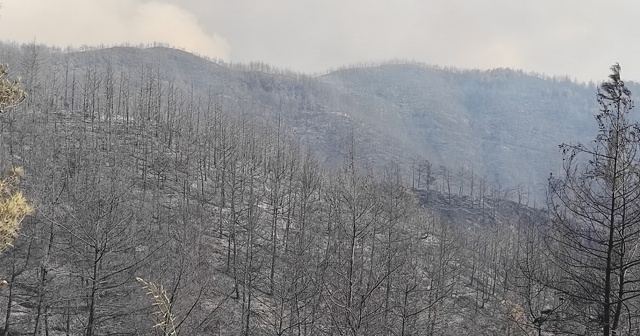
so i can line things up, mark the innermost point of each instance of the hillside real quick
(270, 203)
(502, 124)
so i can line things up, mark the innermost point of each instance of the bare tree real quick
(595, 205)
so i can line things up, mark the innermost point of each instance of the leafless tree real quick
(595, 205)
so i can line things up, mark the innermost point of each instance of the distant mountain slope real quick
(502, 124)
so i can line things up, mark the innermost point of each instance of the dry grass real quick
(165, 320)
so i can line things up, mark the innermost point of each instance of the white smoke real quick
(93, 22)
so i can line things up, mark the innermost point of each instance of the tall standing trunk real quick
(7, 321)
(93, 298)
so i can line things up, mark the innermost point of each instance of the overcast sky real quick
(579, 38)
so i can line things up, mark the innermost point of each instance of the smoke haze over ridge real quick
(579, 38)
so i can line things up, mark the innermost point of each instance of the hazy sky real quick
(580, 38)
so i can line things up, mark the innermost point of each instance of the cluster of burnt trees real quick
(135, 174)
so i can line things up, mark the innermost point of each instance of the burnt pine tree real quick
(596, 221)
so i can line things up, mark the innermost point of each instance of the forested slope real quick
(501, 124)
(213, 181)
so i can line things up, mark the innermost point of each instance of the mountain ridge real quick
(503, 124)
